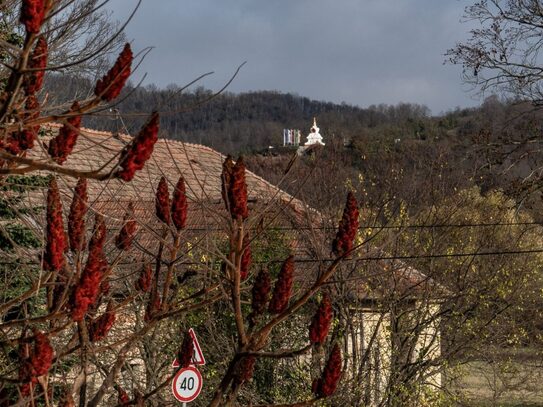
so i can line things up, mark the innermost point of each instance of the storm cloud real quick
(360, 52)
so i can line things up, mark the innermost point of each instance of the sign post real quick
(187, 382)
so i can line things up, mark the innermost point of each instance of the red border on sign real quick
(198, 390)
(201, 360)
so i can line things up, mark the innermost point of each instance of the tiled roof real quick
(201, 168)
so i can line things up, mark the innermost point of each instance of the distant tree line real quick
(480, 146)
(238, 122)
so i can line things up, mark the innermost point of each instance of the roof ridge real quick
(202, 146)
(282, 194)
(110, 134)
(185, 143)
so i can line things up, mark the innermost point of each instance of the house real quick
(382, 307)
(393, 341)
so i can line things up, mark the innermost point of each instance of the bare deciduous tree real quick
(503, 53)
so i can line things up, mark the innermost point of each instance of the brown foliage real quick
(184, 355)
(76, 218)
(179, 204)
(320, 325)
(89, 285)
(260, 295)
(327, 384)
(32, 14)
(110, 86)
(162, 201)
(38, 62)
(140, 149)
(283, 287)
(53, 257)
(348, 226)
(63, 144)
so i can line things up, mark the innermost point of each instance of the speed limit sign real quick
(187, 384)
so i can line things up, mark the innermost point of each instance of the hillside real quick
(421, 160)
(398, 152)
(234, 123)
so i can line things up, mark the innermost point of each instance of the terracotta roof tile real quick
(201, 167)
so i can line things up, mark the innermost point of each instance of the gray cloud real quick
(358, 51)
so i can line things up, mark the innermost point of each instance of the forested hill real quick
(491, 146)
(234, 123)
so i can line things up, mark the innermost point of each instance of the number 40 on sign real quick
(187, 384)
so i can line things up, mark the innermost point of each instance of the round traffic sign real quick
(187, 384)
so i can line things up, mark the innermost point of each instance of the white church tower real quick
(314, 136)
(314, 139)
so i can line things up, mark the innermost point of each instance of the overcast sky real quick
(361, 52)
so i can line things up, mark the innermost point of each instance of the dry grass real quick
(515, 380)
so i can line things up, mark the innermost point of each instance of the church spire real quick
(314, 136)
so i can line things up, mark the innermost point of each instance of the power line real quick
(428, 256)
(362, 227)
(370, 258)
(406, 226)
(453, 225)
(408, 257)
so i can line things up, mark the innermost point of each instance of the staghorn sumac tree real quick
(92, 303)
(22, 107)
(80, 34)
(102, 300)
